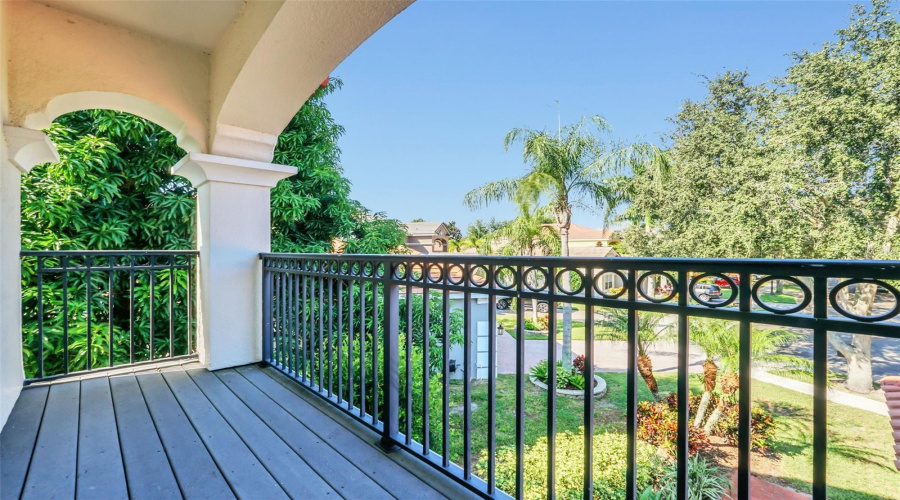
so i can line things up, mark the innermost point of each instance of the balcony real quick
(344, 404)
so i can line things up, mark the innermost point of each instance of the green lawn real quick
(860, 454)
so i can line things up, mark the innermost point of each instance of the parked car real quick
(505, 304)
(723, 282)
(707, 291)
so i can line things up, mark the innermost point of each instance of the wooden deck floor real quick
(187, 432)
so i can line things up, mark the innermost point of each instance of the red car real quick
(723, 282)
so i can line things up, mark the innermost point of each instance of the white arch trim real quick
(80, 101)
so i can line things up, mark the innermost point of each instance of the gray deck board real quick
(147, 468)
(18, 438)
(243, 470)
(52, 470)
(182, 432)
(291, 471)
(365, 456)
(195, 469)
(340, 473)
(101, 473)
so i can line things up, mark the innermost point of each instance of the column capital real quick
(28, 147)
(200, 168)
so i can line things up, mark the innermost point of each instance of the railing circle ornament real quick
(498, 277)
(355, 269)
(459, 271)
(479, 276)
(345, 268)
(417, 272)
(832, 297)
(401, 271)
(672, 292)
(696, 280)
(539, 276)
(807, 295)
(435, 277)
(599, 288)
(570, 291)
(380, 269)
(368, 269)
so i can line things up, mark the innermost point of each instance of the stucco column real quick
(233, 228)
(20, 150)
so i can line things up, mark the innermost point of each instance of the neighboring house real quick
(427, 237)
(584, 237)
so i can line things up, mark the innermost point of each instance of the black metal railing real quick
(342, 324)
(91, 310)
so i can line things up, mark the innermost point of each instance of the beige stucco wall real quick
(54, 53)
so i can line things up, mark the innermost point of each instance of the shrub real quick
(762, 427)
(608, 467)
(705, 481)
(530, 325)
(544, 323)
(658, 425)
(578, 363)
(565, 379)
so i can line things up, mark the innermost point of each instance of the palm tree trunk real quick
(567, 307)
(710, 371)
(645, 368)
(730, 384)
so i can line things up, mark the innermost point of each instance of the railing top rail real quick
(75, 253)
(886, 269)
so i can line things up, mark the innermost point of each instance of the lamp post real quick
(499, 329)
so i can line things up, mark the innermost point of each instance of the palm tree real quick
(721, 341)
(649, 332)
(649, 169)
(529, 234)
(565, 170)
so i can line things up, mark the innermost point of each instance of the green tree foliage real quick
(111, 188)
(313, 207)
(804, 166)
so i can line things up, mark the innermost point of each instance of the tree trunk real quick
(710, 373)
(645, 368)
(858, 352)
(714, 417)
(779, 286)
(730, 383)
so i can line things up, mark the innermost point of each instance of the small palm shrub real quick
(705, 481)
(762, 427)
(565, 379)
(609, 467)
(543, 323)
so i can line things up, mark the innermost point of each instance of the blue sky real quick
(428, 99)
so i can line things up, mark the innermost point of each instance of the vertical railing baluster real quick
(152, 301)
(390, 354)
(109, 307)
(350, 342)
(321, 311)
(375, 342)
(340, 339)
(88, 261)
(64, 261)
(467, 376)
(40, 314)
(362, 345)
(171, 306)
(303, 323)
(683, 389)
(588, 411)
(631, 391)
(189, 298)
(131, 285)
(520, 383)
(820, 388)
(298, 307)
(409, 366)
(445, 373)
(266, 312)
(330, 335)
(426, 365)
(744, 394)
(492, 379)
(551, 380)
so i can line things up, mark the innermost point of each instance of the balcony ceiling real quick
(195, 23)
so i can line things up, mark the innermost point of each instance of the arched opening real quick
(108, 235)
